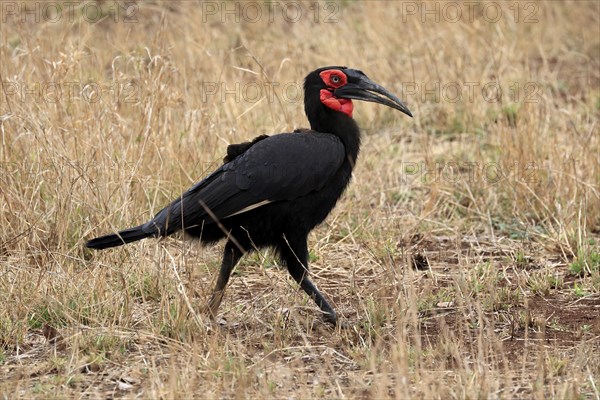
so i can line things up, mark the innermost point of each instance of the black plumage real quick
(272, 191)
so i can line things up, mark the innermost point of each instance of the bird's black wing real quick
(276, 168)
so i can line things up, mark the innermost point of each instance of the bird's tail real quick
(119, 239)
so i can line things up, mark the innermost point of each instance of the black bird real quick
(272, 191)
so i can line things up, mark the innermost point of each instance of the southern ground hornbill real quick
(272, 191)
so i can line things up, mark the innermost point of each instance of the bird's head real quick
(336, 87)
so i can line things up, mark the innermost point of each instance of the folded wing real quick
(262, 174)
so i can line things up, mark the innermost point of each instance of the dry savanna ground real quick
(464, 257)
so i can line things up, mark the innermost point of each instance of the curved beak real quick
(360, 87)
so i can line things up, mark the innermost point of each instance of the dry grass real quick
(498, 203)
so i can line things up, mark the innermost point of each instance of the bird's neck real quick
(342, 126)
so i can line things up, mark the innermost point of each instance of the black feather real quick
(235, 150)
(123, 237)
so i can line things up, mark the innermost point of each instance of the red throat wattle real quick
(343, 105)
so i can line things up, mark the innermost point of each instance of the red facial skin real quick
(333, 79)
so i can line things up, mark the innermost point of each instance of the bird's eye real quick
(335, 79)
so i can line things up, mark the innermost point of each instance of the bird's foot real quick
(214, 303)
(331, 318)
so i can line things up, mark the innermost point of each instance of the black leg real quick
(295, 255)
(231, 256)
